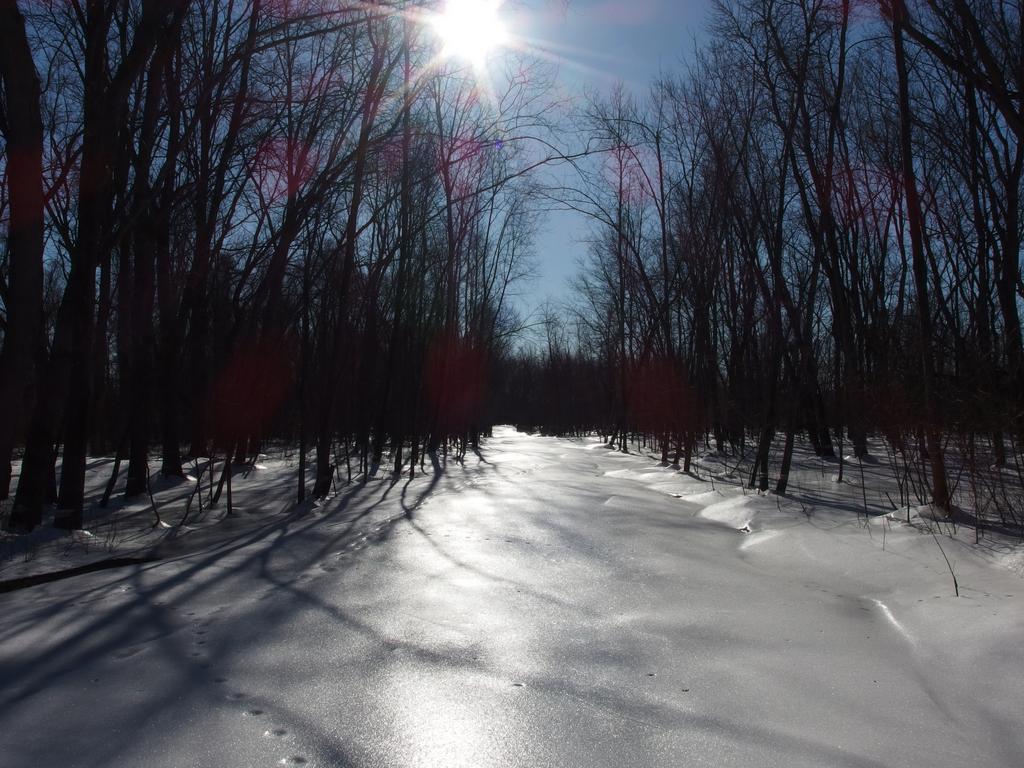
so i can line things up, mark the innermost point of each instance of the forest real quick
(231, 222)
(815, 230)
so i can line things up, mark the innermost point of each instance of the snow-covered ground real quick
(130, 528)
(550, 603)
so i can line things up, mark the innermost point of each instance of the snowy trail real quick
(555, 604)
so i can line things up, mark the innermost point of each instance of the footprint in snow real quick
(275, 733)
(294, 760)
(127, 653)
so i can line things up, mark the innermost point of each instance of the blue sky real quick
(603, 41)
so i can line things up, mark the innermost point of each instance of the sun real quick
(470, 30)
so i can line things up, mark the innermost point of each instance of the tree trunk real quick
(940, 488)
(21, 358)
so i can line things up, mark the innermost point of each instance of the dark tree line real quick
(229, 220)
(814, 229)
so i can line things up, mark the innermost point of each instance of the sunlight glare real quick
(470, 29)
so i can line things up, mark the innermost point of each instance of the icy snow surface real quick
(553, 604)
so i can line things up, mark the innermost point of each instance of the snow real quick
(129, 528)
(734, 512)
(555, 605)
